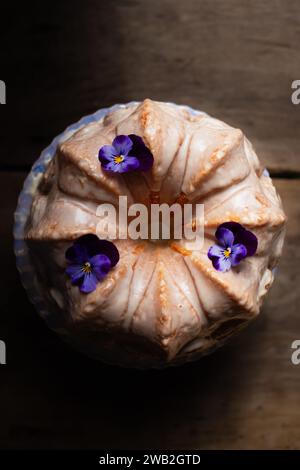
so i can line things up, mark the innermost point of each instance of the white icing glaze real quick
(162, 304)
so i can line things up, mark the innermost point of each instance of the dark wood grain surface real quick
(233, 59)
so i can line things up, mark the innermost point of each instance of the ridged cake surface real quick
(163, 303)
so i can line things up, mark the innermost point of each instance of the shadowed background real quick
(235, 60)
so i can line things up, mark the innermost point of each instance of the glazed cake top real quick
(166, 292)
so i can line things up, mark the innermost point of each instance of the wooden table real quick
(235, 60)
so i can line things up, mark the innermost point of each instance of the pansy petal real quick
(225, 237)
(111, 166)
(138, 143)
(95, 246)
(122, 144)
(75, 272)
(101, 254)
(238, 252)
(100, 266)
(215, 251)
(143, 153)
(77, 253)
(221, 264)
(139, 148)
(129, 164)
(234, 227)
(110, 250)
(107, 153)
(89, 283)
(146, 162)
(248, 239)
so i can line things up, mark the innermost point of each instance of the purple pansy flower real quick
(90, 259)
(234, 244)
(127, 153)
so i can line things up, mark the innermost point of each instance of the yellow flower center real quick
(227, 252)
(119, 158)
(87, 268)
